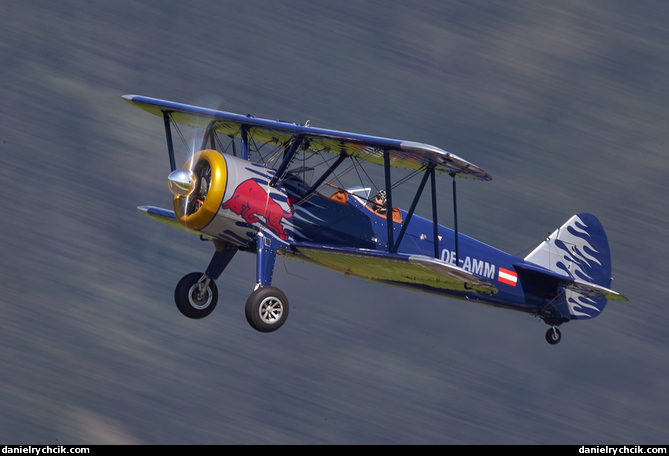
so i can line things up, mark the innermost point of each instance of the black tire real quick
(267, 309)
(190, 301)
(553, 336)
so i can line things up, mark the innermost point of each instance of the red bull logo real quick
(251, 202)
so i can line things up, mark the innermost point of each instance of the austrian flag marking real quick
(507, 277)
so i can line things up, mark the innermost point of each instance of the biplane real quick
(271, 187)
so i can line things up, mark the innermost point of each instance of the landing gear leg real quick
(267, 307)
(196, 294)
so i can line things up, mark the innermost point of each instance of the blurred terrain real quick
(564, 103)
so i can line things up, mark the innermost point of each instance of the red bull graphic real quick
(251, 202)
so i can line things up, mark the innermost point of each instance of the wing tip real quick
(453, 163)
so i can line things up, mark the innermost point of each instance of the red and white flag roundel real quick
(508, 277)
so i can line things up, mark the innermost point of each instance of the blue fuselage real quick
(289, 213)
(344, 220)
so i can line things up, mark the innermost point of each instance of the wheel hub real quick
(199, 298)
(270, 310)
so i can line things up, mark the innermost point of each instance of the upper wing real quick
(399, 269)
(403, 154)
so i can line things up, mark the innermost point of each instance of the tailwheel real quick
(553, 335)
(196, 295)
(267, 309)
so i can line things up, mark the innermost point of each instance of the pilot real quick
(379, 203)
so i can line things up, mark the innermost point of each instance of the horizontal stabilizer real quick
(587, 289)
(594, 291)
(398, 269)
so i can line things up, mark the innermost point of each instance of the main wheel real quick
(192, 299)
(267, 309)
(553, 336)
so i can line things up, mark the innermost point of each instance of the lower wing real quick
(394, 268)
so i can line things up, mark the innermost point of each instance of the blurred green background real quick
(564, 103)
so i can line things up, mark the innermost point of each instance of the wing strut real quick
(287, 159)
(435, 222)
(170, 145)
(389, 203)
(325, 175)
(419, 192)
(455, 222)
(209, 133)
(245, 142)
(429, 172)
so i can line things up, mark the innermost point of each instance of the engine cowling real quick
(229, 198)
(198, 197)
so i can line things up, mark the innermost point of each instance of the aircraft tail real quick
(579, 250)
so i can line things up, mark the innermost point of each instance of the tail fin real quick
(578, 249)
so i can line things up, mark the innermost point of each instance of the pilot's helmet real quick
(382, 196)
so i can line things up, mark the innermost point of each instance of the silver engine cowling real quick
(229, 198)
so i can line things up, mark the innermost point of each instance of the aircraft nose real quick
(181, 182)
